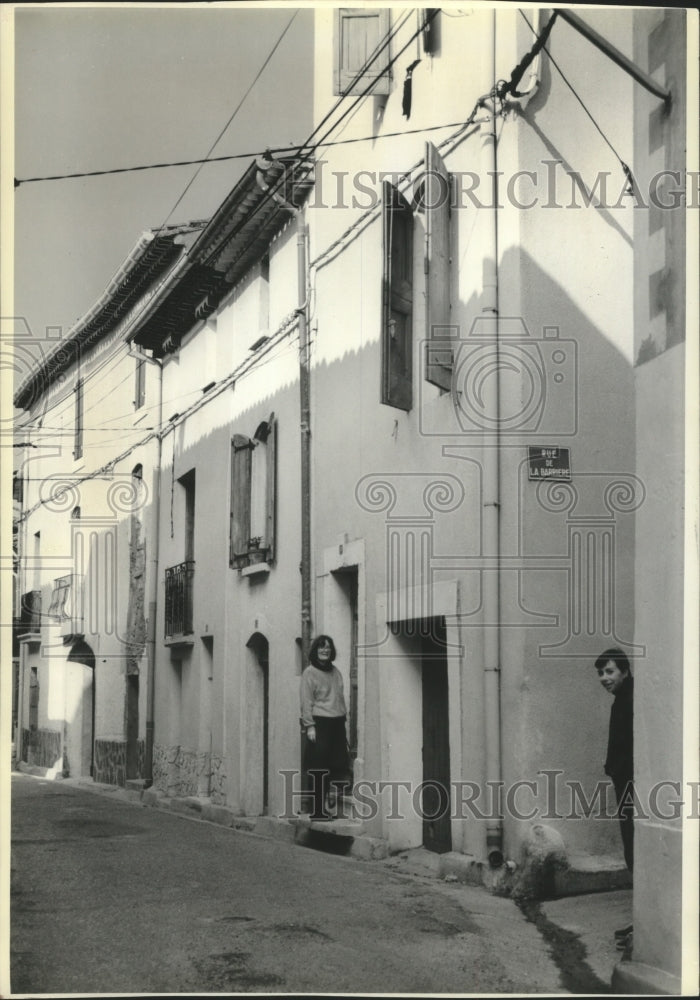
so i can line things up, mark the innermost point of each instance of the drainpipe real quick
(304, 407)
(152, 580)
(491, 489)
(305, 428)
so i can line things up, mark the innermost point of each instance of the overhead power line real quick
(235, 112)
(626, 170)
(233, 156)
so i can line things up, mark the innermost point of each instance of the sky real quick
(98, 88)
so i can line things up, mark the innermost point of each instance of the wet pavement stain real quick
(228, 970)
(567, 950)
(298, 930)
(98, 828)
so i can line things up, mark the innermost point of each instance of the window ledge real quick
(255, 568)
(29, 639)
(179, 640)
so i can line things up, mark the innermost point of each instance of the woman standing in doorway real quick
(323, 715)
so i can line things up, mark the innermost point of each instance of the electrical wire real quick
(237, 156)
(371, 59)
(284, 331)
(235, 112)
(234, 156)
(269, 195)
(571, 87)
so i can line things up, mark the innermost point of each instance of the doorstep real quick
(591, 873)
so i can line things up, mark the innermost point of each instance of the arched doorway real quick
(79, 743)
(258, 725)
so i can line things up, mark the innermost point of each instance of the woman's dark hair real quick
(617, 656)
(313, 652)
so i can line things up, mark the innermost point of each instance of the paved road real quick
(113, 897)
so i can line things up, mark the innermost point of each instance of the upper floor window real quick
(253, 495)
(78, 438)
(140, 384)
(397, 299)
(361, 50)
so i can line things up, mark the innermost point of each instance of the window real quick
(361, 44)
(253, 495)
(397, 299)
(434, 198)
(429, 28)
(140, 384)
(78, 440)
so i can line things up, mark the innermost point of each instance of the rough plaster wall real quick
(136, 616)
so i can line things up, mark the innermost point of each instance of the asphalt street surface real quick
(112, 897)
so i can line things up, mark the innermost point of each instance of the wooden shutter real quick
(241, 448)
(140, 387)
(271, 494)
(360, 33)
(78, 442)
(439, 333)
(397, 299)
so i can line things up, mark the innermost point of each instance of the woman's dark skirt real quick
(327, 760)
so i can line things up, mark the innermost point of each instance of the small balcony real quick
(67, 605)
(179, 590)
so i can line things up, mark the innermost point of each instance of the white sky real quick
(100, 87)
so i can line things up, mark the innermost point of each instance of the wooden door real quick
(437, 832)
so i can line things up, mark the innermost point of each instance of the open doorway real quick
(79, 749)
(257, 728)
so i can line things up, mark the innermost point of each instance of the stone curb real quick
(582, 875)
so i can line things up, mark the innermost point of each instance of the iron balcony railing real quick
(179, 589)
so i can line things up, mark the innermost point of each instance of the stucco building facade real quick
(404, 388)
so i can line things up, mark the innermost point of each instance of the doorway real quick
(80, 711)
(258, 725)
(436, 800)
(132, 726)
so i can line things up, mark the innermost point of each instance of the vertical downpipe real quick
(491, 495)
(305, 430)
(153, 592)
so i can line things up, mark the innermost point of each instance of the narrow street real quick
(113, 897)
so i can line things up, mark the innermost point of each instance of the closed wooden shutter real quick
(241, 448)
(436, 201)
(397, 299)
(360, 34)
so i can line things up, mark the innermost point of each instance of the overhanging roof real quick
(153, 254)
(237, 236)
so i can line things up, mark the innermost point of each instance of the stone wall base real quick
(41, 747)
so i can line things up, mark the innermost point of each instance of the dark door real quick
(437, 833)
(132, 726)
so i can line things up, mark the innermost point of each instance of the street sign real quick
(548, 462)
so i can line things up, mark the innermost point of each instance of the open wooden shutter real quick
(397, 299)
(440, 335)
(271, 495)
(360, 34)
(241, 448)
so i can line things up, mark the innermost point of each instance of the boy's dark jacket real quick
(619, 763)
